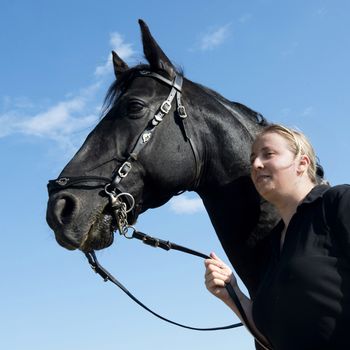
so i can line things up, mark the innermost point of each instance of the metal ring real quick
(127, 230)
(109, 193)
(127, 195)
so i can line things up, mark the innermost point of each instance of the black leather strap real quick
(238, 304)
(166, 245)
(77, 182)
(109, 277)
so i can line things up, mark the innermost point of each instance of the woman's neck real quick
(287, 204)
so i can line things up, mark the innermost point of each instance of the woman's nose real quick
(257, 163)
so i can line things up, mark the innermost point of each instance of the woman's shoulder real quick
(336, 203)
(337, 192)
(336, 211)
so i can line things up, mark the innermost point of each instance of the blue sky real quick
(286, 59)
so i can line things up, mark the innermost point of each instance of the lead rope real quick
(120, 211)
(166, 245)
(107, 276)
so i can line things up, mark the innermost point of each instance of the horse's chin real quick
(96, 235)
(100, 234)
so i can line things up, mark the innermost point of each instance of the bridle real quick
(119, 202)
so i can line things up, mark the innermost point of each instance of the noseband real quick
(124, 202)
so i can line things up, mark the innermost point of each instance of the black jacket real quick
(304, 299)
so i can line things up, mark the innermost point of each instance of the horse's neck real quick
(242, 222)
(229, 196)
(226, 144)
(234, 210)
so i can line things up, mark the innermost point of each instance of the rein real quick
(166, 245)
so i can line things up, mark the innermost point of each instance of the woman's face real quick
(274, 167)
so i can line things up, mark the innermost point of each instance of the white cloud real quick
(215, 38)
(185, 205)
(60, 121)
(57, 123)
(123, 49)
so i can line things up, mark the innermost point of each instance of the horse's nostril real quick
(64, 208)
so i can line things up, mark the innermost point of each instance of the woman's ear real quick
(304, 163)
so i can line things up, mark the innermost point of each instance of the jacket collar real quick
(314, 194)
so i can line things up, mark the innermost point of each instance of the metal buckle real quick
(62, 181)
(182, 112)
(165, 107)
(124, 169)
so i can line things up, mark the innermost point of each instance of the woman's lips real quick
(262, 177)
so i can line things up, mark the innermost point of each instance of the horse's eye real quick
(135, 107)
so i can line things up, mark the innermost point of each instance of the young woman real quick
(303, 301)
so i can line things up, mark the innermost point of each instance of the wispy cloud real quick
(58, 122)
(215, 37)
(123, 49)
(185, 205)
(62, 120)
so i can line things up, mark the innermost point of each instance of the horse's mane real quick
(235, 107)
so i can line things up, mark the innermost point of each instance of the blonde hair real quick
(299, 145)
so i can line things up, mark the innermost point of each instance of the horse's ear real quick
(119, 65)
(154, 54)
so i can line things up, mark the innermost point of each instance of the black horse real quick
(163, 134)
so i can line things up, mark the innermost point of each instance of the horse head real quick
(141, 147)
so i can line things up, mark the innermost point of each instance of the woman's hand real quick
(217, 275)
